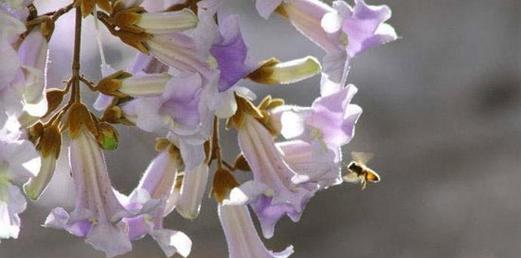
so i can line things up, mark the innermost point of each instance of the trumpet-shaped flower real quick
(330, 120)
(98, 213)
(287, 192)
(343, 31)
(356, 28)
(310, 159)
(241, 236)
(150, 197)
(185, 109)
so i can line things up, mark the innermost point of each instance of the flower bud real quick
(272, 71)
(47, 27)
(49, 147)
(111, 84)
(54, 98)
(241, 163)
(79, 116)
(223, 183)
(108, 137)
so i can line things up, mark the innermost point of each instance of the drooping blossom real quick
(183, 109)
(160, 35)
(343, 31)
(330, 120)
(357, 28)
(48, 147)
(150, 197)
(316, 135)
(98, 213)
(287, 194)
(241, 236)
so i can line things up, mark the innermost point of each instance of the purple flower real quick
(287, 194)
(342, 31)
(311, 160)
(98, 213)
(184, 109)
(330, 120)
(363, 25)
(150, 197)
(356, 29)
(241, 236)
(176, 106)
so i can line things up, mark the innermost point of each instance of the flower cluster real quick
(184, 81)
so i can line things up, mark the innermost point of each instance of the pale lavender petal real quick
(172, 242)
(266, 7)
(312, 160)
(8, 69)
(289, 193)
(230, 51)
(241, 236)
(192, 191)
(366, 26)
(335, 116)
(181, 99)
(12, 202)
(110, 239)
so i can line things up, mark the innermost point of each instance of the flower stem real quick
(216, 153)
(76, 57)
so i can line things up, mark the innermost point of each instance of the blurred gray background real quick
(442, 113)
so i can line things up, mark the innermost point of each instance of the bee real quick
(358, 172)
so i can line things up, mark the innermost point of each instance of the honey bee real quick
(358, 172)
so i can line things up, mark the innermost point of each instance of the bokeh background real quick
(442, 113)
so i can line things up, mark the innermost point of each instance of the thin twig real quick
(89, 84)
(216, 152)
(76, 57)
(58, 13)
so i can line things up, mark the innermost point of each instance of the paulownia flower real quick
(150, 197)
(98, 212)
(159, 35)
(330, 121)
(286, 192)
(342, 31)
(241, 235)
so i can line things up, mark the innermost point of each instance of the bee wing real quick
(351, 178)
(362, 157)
